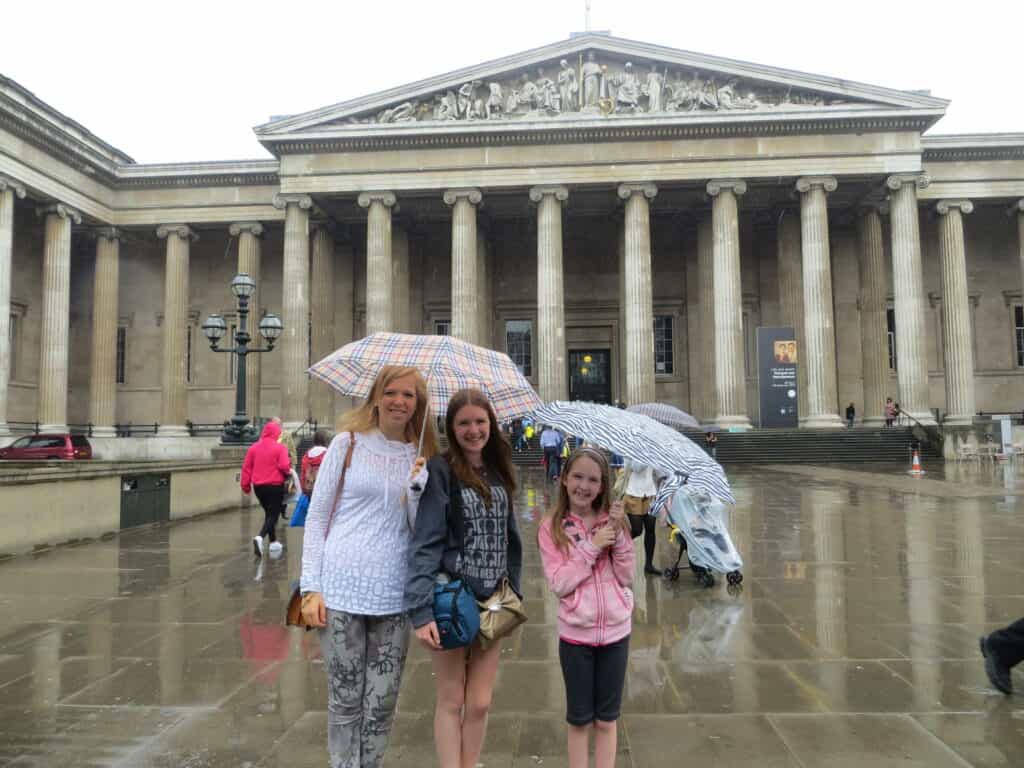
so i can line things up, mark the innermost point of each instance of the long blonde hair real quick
(600, 504)
(367, 417)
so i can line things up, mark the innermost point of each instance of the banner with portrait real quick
(778, 358)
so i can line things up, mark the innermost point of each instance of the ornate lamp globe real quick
(271, 327)
(214, 327)
(242, 285)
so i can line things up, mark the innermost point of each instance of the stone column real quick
(173, 385)
(294, 342)
(819, 355)
(708, 402)
(639, 296)
(249, 234)
(323, 318)
(730, 367)
(465, 285)
(400, 278)
(103, 364)
(908, 288)
(9, 189)
(620, 245)
(1018, 209)
(379, 264)
(53, 359)
(552, 368)
(956, 312)
(873, 309)
(483, 276)
(791, 296)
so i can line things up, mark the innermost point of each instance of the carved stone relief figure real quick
(402, 113)
(728, 98)
(528, 95)
(548, 98)
(446, 107)
(591, 81)
(627, 90)
(495, 101)
(470, 106)
(568, 87)
(653, 88)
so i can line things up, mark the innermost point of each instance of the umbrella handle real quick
(627, 472)
(423, 431)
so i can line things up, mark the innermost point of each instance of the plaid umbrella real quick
(448, 364)
(641, 439)
(666, 414)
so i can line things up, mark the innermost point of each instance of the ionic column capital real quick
(644, 188)
(943, 206)
(387, 199)
(184, 231)
(6, 182)
(715, 186)
(109, 233)
(919, 180)
(323, 225)
(250, 227)
(59, 209)
(560, 193)
(282, 201)
(807, 183)
(474, 195)
(880, 207)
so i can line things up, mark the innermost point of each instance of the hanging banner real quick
(777, 357)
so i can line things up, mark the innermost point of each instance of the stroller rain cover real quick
(701, 520)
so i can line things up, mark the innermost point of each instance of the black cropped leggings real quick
(644, 524)
(272, 500)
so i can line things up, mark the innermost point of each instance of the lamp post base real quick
(238, 431)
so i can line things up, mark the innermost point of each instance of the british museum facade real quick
(621, 218)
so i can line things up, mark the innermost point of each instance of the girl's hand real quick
(604, 537)
(428, 635)
(313, 609)
(617, 511)
(418, 476)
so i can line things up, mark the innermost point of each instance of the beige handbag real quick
(499, 615)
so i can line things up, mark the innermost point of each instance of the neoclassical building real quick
(619, 217)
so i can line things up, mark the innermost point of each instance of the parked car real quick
(49, 446)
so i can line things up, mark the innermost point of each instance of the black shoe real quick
(651, 570)
(998, 674)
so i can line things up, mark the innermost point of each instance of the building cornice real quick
(230, 173)
(973, 146)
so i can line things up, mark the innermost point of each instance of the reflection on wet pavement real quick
(854, 640)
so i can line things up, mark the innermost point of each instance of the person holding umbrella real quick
(358, 531)
(465, 529)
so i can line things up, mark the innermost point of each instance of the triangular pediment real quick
(596, 76)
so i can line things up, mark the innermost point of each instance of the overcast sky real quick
(187, 80)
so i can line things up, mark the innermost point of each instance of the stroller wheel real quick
(734, 589)
(707, 580)
(734, 577)
(671, 574)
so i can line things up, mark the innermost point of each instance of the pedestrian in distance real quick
(310, 467)
(1003, 650)
(588, 561)
(354, 560)
(640, 489)
(265, 472)
(465, 530)
(711, 439)
(551, 441)
(851, 414)
(890, 412)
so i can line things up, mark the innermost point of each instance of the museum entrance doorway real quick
(590, 375)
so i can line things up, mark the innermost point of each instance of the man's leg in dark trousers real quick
(1008, 643)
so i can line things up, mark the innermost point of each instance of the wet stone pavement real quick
(853, 641)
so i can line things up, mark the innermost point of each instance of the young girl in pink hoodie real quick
(587, 552)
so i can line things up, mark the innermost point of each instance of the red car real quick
(55, 446)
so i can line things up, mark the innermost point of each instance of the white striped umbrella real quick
(666, 414)
(641, 439)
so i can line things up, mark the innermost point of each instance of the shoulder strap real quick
(457, 521)
(341, 482)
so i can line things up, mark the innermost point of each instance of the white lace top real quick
(361, 567)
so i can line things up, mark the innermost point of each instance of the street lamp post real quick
(239, 431)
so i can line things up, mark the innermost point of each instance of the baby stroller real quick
(698, 521)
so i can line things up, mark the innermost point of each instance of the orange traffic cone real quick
(915, 466)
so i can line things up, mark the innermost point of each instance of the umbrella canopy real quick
(447, 363)
(641, 439)
(666, 414)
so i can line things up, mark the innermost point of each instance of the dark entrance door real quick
(590, 375)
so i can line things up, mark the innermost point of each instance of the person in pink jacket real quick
(588, 558)
(266, 470)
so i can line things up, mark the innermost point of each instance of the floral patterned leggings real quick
(364, 657)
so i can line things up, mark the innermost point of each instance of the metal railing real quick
(81, 429)
(24, 427)
(131, 430)
(200, 430)
(927, 437)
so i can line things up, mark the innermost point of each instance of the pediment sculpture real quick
(592, 87)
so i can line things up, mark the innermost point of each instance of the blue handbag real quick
(299, 514)
(456, 613)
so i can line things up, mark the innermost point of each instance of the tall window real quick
(442, 327)
(188, 354)
(664, 361)
(13, 349)
(890, 321)
(122, 339)
(1018, 334)
(519, 344)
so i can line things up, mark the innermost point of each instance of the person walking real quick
(358, 531)
(711, 439)
(310, 467)
(851, 414)
(465, 529)
(265, 471)
(640, 490)
(551, 442)
(1003, 650)
(890, 412)
(588, 561)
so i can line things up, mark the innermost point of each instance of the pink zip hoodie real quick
(593, 585)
